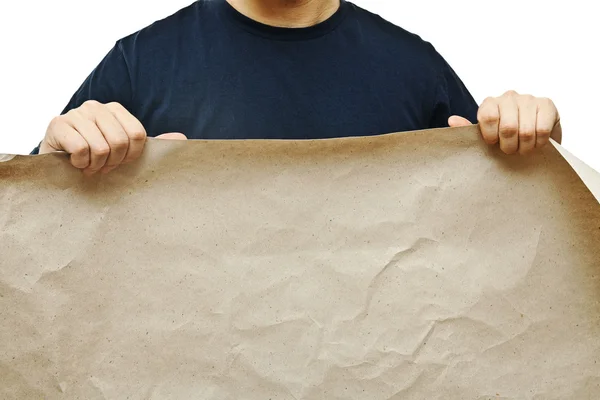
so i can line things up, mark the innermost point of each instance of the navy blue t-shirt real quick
(210, 72)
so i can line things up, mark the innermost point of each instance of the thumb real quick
(172, 136)
(456, 121)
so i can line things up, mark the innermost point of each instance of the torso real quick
(211, 73)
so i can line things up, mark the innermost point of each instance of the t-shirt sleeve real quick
(452, 97)
(109, 82)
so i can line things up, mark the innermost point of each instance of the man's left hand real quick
(519, 123)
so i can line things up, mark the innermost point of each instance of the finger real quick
(172, 136)
(456, 121)
(98, 147)
(508, 128)
(133, 128)
(66, 138)
(527, 124)
(115, 136)
(547, 120)
(488, 116)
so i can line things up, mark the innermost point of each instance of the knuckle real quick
(137, 135)
(101, 150)
(508, 130)
(90, 104)
(544, 132)
(527, 135)
(114, 106)
(528, 99)
(55, 122)
(89, 109)
(120, 142)
(488, 112)
(547, 105)
(545, 101)
(488, 101)
(75, 116)
(511, 93)
(488, 116)
(80, 149)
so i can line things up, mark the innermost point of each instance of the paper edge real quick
(589, 176)
(7, 157)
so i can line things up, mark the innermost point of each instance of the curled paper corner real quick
(6, 157)
(588, 175)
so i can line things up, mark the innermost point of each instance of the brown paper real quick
(419, 265)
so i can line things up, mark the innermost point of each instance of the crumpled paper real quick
(417, 265)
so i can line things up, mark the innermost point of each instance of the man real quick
(277, 69)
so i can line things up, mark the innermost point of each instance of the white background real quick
(546, 48)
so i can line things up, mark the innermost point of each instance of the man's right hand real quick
(99, 137)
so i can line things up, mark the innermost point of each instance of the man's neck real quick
(287, 13)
